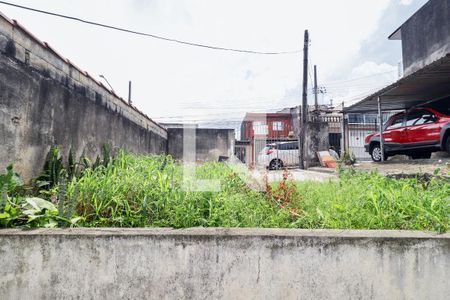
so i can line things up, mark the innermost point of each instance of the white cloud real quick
(370, 68)
(370, 78)
(173, 80)
(406, 2)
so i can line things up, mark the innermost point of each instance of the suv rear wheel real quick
(276, 164)
(447, 145)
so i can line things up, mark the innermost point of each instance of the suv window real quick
(398, 122)
(420, 117)
(427, 117)
(412, 118)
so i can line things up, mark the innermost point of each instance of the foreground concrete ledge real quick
(223, 263)
(229, 232)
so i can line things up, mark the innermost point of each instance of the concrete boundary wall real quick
(46, 100)
(209, 143)
(22, 45)
(223, 263)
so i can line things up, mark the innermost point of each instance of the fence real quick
(358, 127)
(356, 136)
(275, 153)
(325, 118)
(262, 150)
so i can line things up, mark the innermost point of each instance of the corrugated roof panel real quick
(427, 84)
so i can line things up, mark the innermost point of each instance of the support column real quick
(380, 124)
(344, 132)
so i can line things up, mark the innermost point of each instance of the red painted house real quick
(269, 125)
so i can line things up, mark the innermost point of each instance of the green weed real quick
(372, 201)
(147, 191)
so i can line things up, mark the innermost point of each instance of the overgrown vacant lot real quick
(137, 191)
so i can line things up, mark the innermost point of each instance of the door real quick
(394, 135)
(423, 128)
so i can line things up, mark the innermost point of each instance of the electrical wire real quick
(146, 34)
(357, 78)
(203, 46)
(230, 114)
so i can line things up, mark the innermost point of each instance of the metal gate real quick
(358, 127)
(283, 149)
(356, 136)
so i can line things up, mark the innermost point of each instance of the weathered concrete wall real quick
(209, 143)
(317, 139)
(426, 35)
(223, 263)
(317, 135)
(45, 100)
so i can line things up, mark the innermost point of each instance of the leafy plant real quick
(106, 154)
(348, 158)
(30, 212)
(38, 213)
(72, 166)
(53, 168)
(66, 205)
(9, 181)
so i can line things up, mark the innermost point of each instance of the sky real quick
(174, 82)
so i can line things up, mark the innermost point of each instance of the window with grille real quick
(278, 126)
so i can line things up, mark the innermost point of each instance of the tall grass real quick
(138, 190)
(147, 191)
(372, 201)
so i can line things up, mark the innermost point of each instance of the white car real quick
(279, 155)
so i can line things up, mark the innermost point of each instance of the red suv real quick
(417, 133)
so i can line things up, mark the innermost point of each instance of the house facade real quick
(268, 125)
(425, 36)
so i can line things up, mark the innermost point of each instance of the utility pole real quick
(304, 106)
(129, 92)
(316, 91)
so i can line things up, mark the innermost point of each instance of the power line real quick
(221, 113)
(357, 78)
(357, 86)
(145, 34)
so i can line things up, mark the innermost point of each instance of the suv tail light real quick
(269, 151)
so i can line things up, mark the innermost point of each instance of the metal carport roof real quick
(430, 83)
